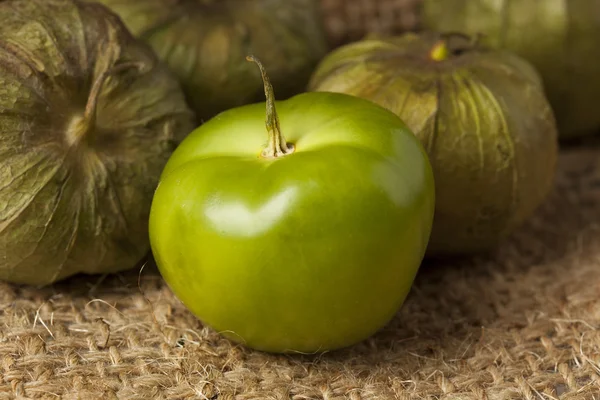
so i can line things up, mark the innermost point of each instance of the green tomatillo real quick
(306, 243)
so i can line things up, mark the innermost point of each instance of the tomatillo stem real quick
(83, 127)
(443, 49)
(440, 51)
(92, 103)
(277, 145)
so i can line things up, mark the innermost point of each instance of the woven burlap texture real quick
(521, 323)
(349, 20)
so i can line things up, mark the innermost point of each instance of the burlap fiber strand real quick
(521, 323)
(349, 20)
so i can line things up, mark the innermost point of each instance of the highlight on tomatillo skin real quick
(268, 222)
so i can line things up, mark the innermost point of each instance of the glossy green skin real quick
(309, 252)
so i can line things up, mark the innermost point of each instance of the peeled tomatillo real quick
(305, 237)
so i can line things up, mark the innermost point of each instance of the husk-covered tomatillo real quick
(205, 42)
(88, 119)
(482, 116)
(561, 38)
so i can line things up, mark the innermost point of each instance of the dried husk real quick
(205, 43)
(561, 38)
(88, 118)
(481, 115)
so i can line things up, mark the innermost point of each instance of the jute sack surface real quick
(349, 20)
(521, 323)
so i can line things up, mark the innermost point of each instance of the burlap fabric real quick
(348, 20)
(520, 323)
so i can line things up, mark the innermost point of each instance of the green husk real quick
(481, 115)
(88, 118)
(561, 38)
(205, 43)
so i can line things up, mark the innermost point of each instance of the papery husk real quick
(205, 43)
(88, 119)
(561, 38)
(481, 115)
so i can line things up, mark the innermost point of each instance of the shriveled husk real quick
(481, 115)
(88, 118)
(205, 43)
(561, 38)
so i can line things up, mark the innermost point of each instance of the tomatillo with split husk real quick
(302, 237)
